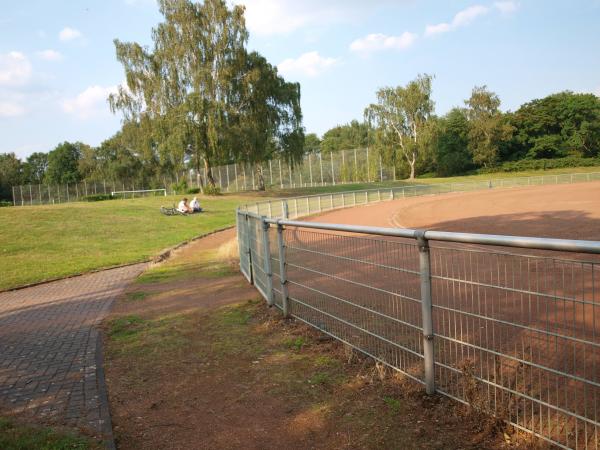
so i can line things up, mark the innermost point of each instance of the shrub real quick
(193, 191)
(543, 164)
(212, 190)
(4, 203)
(97, 197)
(180, 187)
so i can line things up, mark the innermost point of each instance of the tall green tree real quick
(558, 125)
(399, 117)
(63, 163)
(312, 143)
(185, 82)
(451, 144)
(488, 128)
(11, 173)
(266, 118)
(346, 137)
(34, 168)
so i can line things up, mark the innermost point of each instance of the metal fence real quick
(341, 167)
(515, 336)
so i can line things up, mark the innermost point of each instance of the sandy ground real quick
(559, 211)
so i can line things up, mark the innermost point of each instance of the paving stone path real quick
(50, 354)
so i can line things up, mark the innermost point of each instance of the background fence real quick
(342, 167)
(516, 336)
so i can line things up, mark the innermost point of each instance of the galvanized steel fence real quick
(343, 167)
(516, 336)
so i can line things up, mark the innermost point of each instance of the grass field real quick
(44, 242)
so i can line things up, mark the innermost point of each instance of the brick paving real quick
(50, 349)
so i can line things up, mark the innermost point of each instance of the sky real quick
(58, 65)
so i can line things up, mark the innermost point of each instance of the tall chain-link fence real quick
(515, 336)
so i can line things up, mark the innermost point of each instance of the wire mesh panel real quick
(243, 245)
(257, 256)
(519, 337)
(362, 291)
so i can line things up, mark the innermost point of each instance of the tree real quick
(10, 174)
(400, 115)
(558, 125)
(451, 144)
(488, 129)
(265, 118)
(34, 169)
(185, 83)
(312, 143)
(63, 163)
(345, 137)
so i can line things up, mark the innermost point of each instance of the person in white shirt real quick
(183, 207)
(195, 205)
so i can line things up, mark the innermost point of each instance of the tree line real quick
(403, 127)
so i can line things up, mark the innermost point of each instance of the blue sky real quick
(57, 60)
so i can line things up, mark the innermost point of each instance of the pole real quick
(280, 175)
(355, 167)
(285, 212)
(14, 199)
(267, 261)
(321, 164)
(310, 169)
(30, 196)
(380, 169)
(270, 173)
(343, 166)
(21, 191)
(426, 308)
(236, 178)
(332, 170)
(368, 168)
(282, 272)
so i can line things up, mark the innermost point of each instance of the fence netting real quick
(516, 336)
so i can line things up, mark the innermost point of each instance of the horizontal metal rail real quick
(562, 245)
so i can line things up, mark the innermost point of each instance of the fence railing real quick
(341, 167)
(515, 336)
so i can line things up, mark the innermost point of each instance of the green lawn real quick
(44, 242)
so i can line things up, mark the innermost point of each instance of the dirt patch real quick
(195, 360)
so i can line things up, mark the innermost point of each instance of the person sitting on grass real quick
(195, 205)
(183, 207)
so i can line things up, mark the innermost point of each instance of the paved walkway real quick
(50, 358)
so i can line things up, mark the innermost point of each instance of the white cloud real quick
(15, 69)
(597, 91)
(270, 17)
(92, 102)
(378, 41)
(11, 109)
(69, 34)
(309, 64)
(461, 19)
(50, 55)
(506, 7)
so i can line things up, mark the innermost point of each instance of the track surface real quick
(560, 211)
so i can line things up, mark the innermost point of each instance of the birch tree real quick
(185, 82)
(400, 115)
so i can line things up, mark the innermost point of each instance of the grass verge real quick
(43, 242)
(15, 436)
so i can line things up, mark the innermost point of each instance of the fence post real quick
(267, 260)
(285, 212)
(426, 307)
(249, 251)
(282, 272)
